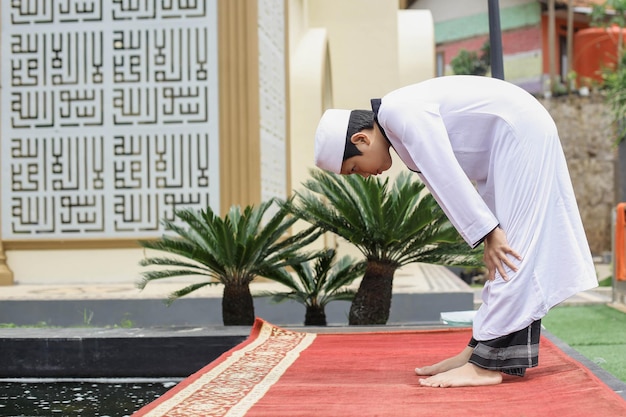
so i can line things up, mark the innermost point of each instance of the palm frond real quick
(345, 294)
(241, 245)
(187, 290)
(397, 224)
(281, 276)
(169, 273)
(319, 281)
(306, 278)
(343, 273)
(184, 249)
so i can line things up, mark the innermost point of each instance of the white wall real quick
(343, 53)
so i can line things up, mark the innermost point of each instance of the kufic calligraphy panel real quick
(109, 119)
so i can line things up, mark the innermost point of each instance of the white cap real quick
(330, 139)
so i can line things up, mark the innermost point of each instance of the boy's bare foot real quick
(468, 375)
(446, 364)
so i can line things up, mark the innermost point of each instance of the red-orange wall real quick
(561, 31)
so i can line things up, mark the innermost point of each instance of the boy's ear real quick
(359, 138)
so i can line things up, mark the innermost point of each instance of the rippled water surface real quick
(69, 398)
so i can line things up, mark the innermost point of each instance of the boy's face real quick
(375, 157)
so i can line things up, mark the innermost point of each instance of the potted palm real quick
(615, 92)
(318, 282)
(230, 251)
(612, 13)
(391, 226)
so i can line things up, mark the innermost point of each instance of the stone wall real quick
(587, 134)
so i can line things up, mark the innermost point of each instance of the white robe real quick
(490, 154)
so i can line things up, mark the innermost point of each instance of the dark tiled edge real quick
(165, 352)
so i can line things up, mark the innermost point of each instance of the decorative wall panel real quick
(272, 98)
(109, 116)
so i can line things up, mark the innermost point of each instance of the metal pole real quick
(495, 40)
(570, 40)
(551, 43)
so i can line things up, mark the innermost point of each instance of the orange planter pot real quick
(594, 50)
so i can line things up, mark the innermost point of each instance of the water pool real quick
(79, 397)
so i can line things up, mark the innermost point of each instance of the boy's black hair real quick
(359, 120)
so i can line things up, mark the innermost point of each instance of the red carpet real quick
(278, 373)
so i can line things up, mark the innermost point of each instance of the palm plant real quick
(231, 251)
(615, 90)
(392, 227)
(609, 13)
(317, 283)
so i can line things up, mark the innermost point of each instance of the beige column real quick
(6, 275)
(240, 162)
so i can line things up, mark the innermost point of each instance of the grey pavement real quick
(421, 293)
(414, 278)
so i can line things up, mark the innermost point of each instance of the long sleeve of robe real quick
(490, 154)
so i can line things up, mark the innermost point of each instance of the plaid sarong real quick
(511, 354)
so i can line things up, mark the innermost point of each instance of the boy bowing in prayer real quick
(490, 154)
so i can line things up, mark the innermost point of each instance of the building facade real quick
(529, 30)
(116, 114)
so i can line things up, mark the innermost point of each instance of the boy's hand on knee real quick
(497, 254)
